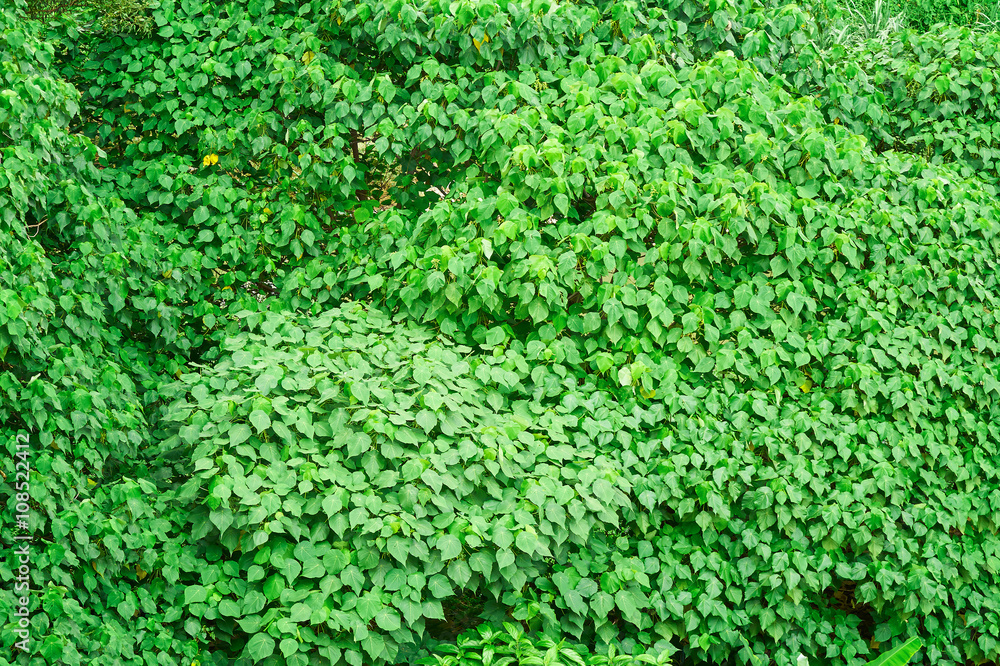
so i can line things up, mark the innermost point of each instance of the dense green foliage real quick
(643, 326)
(127, 16)
(934, 96)
(924, 14)
(899, 655)
(512, 646)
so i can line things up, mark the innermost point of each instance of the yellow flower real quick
(210, 159)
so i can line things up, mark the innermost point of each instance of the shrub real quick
(364, 472)
(924, 14)
(930, 95)
(920, 15)
(644, 326)
(512, 646)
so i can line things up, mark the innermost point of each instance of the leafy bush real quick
(512, 646)
(932, 95)
(364, 472)
(126, 16)
(924, 14)
(69, 381)
(644, 326)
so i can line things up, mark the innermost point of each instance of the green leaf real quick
(449, 546)
(368, 607)
(426, 420)
(626, 604)
(229, 608)
(439, 586)
(387, 619)
(260, 646)
(562, 203)
(274, 586)
(289, 646)
(395, 579)
(538, 310)
(602, 603)
(482, 563)
(195, 594)
(260, 420)
(238, 434)
(899, 655)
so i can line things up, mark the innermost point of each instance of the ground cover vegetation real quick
(582, 332)
(922, 15)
